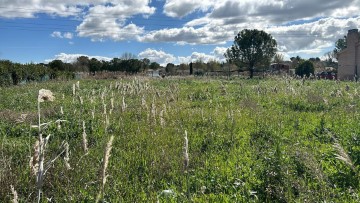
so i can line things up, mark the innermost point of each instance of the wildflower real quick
(34, 160)
(78, 85)
(45, 95)
(342, 155)
(84, 136)
(74, 89)
(13, 191)
(186, 151)
(112, 103)
(162, 121)
(106, 159)
(143, 102)
(123, 106)
(67, 156)
(105, 165)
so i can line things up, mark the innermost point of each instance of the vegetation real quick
(305, 68)
(15, 73)
(340, 44)
(252, 48)
(181, 139)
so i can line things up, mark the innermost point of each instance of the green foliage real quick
(249, 140)
(340, 44)
(15, 73)
(305, 68)
(252, 48)
(154, 66)
(170, 68)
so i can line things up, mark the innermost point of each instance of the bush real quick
(305, 68)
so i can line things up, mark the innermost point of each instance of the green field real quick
(261, 140)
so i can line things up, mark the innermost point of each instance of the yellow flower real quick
(45, 95)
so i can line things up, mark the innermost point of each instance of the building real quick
(280, 68)
(349, 58)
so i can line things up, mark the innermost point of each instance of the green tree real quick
(170, 68)
(95, 65)
(305, 68)
(155, 66)
(57, 65)
(213, 65)
(82, 64)
(340, 44)
(184, 66)
(251, 48)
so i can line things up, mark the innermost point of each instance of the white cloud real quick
(109, 21)
(158, 56)
(219, 52)
(57, 34)
(299, 26)
(176, 8)
(71, 58)
(101, 19)
(100, 30)
(164, 58)
(189, 35)
(68, 35)
(296, 25)
(29, 8)
(312, 38)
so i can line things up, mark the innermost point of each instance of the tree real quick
(278, 58)
(95, 65)
(57, 65)
(170, 68)
(133, 65)
(340, 44)
(251, 48)
(330, 59)
(295, 61)
(213, 65)
(183, 66)
(305, 68)
(82, 64)
(155, 66)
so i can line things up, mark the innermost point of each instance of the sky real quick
(167, 31)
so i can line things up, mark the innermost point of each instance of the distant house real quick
(349, 58)
(280, 68)
(153, 73)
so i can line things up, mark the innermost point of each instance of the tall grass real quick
(269, 140)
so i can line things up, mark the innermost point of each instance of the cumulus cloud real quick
(176, 8)
(312, 37)
(189, 35)
(157, 56)
(216, 55)
(299, 26)
(100, 19)
(71, 58)
(109, 21)
(100, 30)
(164, 58)
(66, 35)
(29, 8)
(219, 52)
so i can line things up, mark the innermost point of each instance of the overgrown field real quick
(269, 140)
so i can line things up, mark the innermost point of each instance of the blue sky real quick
(166, 31)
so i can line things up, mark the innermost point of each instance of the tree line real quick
(12, 73)
(253, 50)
